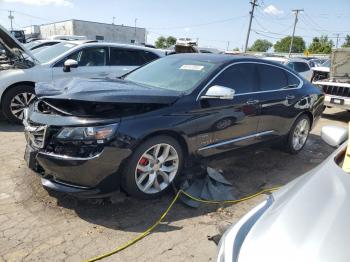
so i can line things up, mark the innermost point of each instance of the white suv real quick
(20, 69)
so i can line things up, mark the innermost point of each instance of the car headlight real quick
(99, 133)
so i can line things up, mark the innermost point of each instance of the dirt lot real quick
(37, 226)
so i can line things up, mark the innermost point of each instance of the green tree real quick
(235, 49)
(170, 41)
(261, 45)
(163, 42)
(347, 41)
(321, 45)
(283, 45)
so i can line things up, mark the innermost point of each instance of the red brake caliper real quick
(143, 162)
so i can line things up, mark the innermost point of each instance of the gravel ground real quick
(36, 225)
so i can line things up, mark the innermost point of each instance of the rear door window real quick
(271, 77)
(126, 57)
(301, 67)
(149, 56)
(241, 77)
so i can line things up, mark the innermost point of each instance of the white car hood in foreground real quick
(309, 220)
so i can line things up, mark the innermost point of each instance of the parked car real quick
(41, 43)
(322, 71)
(19, 35)
(335, 82)
(139, 130)
(302, 66)
(22, 69)
(306, 220)
(277, 59)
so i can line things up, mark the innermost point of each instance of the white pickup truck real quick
(337, 87)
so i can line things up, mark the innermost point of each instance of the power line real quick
(199, 25)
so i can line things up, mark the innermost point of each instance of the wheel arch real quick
(28, 83)
(178, 137)
(309, 115)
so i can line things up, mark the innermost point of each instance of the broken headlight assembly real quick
(100, 134)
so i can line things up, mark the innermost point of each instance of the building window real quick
(100, 37)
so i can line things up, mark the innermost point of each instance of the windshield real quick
(173, 73)
(31, 44)
(51, 52)
(327, 63)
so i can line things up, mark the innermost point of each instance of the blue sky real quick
(214, 23)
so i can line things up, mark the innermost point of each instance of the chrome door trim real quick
(69, 158)
(237, 139)
(253, 62)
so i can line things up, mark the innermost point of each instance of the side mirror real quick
(219, 92)
(334, 135)
(68, 64)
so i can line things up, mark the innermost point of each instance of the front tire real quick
(153, 167)
(298, 134)
(15, 101)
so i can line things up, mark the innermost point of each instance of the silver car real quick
(306, 220)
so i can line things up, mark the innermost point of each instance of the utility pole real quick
(113, 18)
(11, 17)
(228, 45)
(254, 4)
(336, 45)
(296, 12)
(135, 30)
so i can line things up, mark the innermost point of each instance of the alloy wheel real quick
(156, 168)
(20, 102)
(300, 134)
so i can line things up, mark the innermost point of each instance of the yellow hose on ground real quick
(145, 233)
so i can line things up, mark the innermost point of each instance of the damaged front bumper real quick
(85, 169)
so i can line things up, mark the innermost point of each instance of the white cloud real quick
(67, 3)
(273, 10)
(187, 29)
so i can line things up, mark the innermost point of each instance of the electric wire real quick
(161, 218)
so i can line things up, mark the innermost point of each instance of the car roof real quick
(224, 58)
(298, 60)
(95, 43)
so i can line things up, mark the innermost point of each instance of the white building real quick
(94, 31)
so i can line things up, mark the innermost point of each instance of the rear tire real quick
(298, 134)
(153, 167)
(15, 100)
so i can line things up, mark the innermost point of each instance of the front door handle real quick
(252, 102)
(289, 97)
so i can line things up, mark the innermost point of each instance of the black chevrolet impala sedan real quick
(95, 135)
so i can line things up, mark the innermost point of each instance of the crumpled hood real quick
(104, 90)
(11, 44)
(102, 98)
(309, 220)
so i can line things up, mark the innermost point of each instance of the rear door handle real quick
(289, 97)
(252, 102)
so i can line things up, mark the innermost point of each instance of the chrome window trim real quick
(237, 139)
(253, 62)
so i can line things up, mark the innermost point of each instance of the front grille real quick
(337, 90)
(35, 134)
